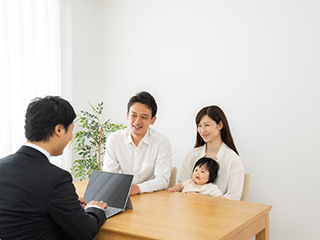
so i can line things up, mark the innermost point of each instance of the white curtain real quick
(30, 63)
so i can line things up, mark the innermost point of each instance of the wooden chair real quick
(173, 176)
(246, 186)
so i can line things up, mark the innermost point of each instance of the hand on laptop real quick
(100, 204)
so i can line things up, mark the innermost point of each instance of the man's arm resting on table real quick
(162, 169)
(135, 190)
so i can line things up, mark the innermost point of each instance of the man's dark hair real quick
(43, 114)
(144, 98)
(211, 165)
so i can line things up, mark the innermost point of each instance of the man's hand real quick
(134, 190)
(83, 202)
(103, 205)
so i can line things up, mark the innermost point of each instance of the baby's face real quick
(200, 175)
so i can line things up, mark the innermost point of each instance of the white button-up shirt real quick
(149, 162)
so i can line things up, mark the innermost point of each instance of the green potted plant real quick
(89, 142)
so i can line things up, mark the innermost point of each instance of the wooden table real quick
(163, 215)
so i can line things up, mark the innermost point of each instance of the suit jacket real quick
(38, 201)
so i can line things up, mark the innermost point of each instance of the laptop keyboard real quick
(110, 211)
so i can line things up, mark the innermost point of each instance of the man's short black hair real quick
(43, 114)
(144, 98)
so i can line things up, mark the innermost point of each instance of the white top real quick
(209, 189)
(149, 162)
(231, 173)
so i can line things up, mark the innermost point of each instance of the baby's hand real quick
(170, 189)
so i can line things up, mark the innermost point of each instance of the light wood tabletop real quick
(163, 215)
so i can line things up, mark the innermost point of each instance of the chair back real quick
(173, 176)
(246, 187)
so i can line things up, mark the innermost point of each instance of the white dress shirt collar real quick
(40, 149)
(145, 139)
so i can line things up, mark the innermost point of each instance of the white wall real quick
(88, 60)
(258, 60)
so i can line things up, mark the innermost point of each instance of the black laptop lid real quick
(112, 188)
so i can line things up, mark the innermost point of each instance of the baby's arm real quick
(176, 188)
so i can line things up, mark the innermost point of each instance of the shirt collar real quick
(222, 147)
(145, 139)
(40, 149)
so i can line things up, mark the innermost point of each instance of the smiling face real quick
(200, 175)
(139, 120)
(209, 130)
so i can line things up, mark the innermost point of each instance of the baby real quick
(205, 172)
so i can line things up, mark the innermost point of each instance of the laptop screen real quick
(112, 188)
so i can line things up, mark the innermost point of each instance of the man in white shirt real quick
(140, 150)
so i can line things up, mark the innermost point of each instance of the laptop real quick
(112, 188)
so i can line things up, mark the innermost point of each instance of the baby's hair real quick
(211, 165)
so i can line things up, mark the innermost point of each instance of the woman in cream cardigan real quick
(214, 140)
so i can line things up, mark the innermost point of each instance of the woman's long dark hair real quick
(217, 115)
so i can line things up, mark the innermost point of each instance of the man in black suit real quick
(38, 199)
